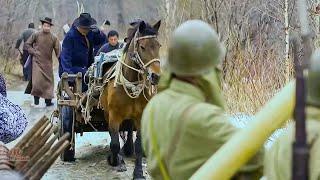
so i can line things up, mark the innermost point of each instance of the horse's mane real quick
(147, 31)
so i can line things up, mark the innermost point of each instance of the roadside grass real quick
(12, 72)
(251, 79)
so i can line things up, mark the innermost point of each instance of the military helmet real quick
(194, 49)
(313, 82)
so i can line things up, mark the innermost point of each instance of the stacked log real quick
(35, 152)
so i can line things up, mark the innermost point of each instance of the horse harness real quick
(139, 86)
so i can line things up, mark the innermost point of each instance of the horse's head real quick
(146, 50)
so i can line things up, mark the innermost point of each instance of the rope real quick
(135, 94)
(72, 136)
(145, 37)
(92, 127)
(152, 61)
(124, 83)
(54, 114)
(136, 87)
(132, 68)
(85, 75)
(144, 95)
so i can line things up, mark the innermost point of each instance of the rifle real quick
(300, 148)
(300, 152)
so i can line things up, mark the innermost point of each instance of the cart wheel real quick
(66, 119)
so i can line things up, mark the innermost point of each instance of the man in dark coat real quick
(78, 45)
(100, 40)
(41, 46)
(25, 35)
(113, 43)
(76, 56)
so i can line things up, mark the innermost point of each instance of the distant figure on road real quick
(41, 45)
(113, 43)
(12, 119)
(25, 35)
(105, 26)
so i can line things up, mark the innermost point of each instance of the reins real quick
(139, 86)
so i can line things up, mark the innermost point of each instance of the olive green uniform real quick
(278, 159)
(188, 131)
(184, 125)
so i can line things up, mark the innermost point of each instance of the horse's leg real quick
(114, 158)
(138, 171)
(128, 146)
(115, 147)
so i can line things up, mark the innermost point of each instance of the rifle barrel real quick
(300, 153)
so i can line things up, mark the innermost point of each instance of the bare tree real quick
(16, 14)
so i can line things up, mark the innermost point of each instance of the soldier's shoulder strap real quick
(175, 139)
(182, 119)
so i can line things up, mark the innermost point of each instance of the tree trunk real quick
(287, 38)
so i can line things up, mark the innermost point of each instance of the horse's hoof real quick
(121, 165)
(121, 168)
(138, 175)
(139, 178)
(118, 163)
(111, 162)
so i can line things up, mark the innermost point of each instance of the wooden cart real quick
(78, 111)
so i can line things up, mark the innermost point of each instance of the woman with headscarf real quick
(12, 119)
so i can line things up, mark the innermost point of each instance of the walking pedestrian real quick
(41, 46)
(25, 35)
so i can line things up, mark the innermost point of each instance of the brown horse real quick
(125, 97)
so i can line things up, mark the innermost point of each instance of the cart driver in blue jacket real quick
(78, 45)
(76, 56)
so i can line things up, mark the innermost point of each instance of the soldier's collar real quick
(187, 88)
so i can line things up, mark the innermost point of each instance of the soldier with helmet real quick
(193, 126)
(278, 159)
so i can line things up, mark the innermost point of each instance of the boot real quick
(36, 100)
(48, 102)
